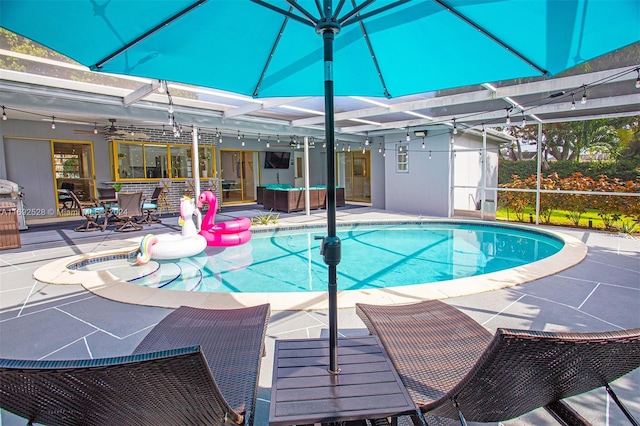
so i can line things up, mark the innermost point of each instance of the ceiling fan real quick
(114, 131)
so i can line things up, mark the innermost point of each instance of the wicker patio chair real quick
(129, 208)
(89, 209)
(454, 369)
(197, 366)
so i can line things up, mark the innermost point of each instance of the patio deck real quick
(39, 321)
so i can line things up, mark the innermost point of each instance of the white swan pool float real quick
(174, 246)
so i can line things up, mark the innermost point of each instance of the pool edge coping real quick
(105, 284)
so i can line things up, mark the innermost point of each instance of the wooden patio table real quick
(304, 392)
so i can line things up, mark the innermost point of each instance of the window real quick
(156, 161)
(180, 161)
(205, 154)
(141, 161)
(402, 158)
(130, 161)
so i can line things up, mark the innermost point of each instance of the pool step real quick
(177, 274)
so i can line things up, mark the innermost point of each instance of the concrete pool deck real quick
(44, 321)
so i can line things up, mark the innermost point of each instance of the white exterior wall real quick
(424, 189)
(429, 186)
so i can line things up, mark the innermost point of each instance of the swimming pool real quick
(373, 257)
(95, 271)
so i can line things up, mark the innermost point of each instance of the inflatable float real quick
(175, 246)
(223, 234)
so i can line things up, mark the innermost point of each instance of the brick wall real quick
(176, 188)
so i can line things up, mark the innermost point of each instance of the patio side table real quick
(304, 392)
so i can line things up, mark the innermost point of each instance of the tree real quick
(567, 141)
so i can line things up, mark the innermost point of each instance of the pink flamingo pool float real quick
(225, 234)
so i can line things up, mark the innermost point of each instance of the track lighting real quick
(95, 128)
(242, 143)
(408, 136)
(584, 97)
(366, 141)
(4, 114)
(53, 122)
(268, 145)
(349, 148)
(278, 139)
(380, 148)
(238, 134)
(164, 131)
(573, 103)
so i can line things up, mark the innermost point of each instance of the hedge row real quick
(625, 169)
(610, 207)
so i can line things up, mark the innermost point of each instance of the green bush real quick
(611, 209)
(625, 169)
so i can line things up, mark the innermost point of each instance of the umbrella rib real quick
(137, 40)
(302, 10)
(491, 36)
(284, 12)
(271, 53)
(351, 19)
(355, 11)
(337, 10)
(375, 59)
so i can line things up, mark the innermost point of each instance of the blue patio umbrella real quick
(385, 48)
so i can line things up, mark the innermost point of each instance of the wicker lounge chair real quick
(453, 368)
(197, 366)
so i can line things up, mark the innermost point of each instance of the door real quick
(354, 168)
(73, 170)
(239, 176)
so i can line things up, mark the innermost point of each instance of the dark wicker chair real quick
(197, 366)
(89, 209)
(129, 208)
(454, 369)
(150, 207)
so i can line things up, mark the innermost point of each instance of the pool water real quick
(373, 257)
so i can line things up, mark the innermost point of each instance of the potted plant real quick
(117, 187)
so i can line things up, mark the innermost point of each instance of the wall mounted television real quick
(276, 160)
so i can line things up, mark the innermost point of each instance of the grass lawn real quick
(559, 217)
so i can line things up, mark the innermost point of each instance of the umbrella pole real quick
(330, 248)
